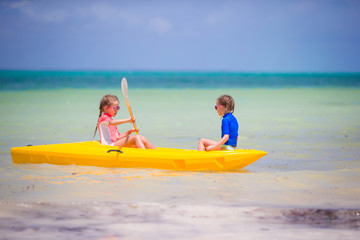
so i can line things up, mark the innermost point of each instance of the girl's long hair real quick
(106, 100)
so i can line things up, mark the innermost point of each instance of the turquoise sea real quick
(307, 187)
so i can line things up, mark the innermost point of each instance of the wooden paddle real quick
(124, 88)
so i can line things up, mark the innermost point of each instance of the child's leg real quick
(203, 143)
(137, 141)
(147, 143)
(130, 141)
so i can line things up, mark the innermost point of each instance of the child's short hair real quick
(228, 102)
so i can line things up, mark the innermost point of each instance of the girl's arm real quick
(218, 145)
(120, 121)
(127, 133)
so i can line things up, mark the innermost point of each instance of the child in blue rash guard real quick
(229, 127)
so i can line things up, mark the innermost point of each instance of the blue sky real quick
(241, 36)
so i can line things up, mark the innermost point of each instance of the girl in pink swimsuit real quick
(109, 134)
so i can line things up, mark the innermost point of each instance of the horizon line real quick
(177, 71)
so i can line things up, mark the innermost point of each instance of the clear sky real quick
(196, 35)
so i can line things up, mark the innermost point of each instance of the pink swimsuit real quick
(114, 133)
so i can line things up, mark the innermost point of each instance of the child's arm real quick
(218, 145)
(127, 133)
(120, 121)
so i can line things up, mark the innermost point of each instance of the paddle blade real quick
(124, 87)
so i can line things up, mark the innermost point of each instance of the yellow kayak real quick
(92, 153)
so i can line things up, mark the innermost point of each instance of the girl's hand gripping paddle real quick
(124, 88)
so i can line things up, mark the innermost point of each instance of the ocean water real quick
(307, 187)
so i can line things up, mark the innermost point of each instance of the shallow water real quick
(307, 187)
(109, 220)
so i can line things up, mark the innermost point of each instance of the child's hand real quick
(131, 120)
(132, 130)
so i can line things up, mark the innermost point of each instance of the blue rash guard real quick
(230, 126)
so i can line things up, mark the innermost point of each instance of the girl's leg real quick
(137, 141)
(203, 143)
(147, 144)
(130, 141)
